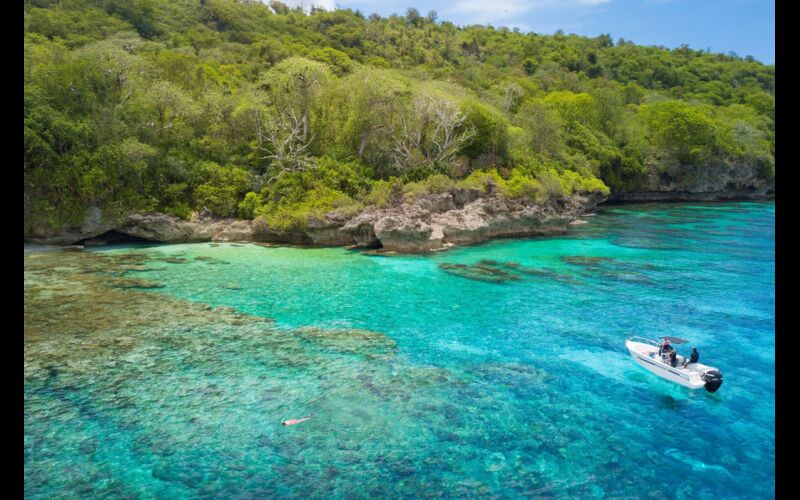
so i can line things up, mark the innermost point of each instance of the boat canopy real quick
(676, 340)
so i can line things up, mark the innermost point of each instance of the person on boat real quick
(693, 358)
(665, 348)
(673, 358)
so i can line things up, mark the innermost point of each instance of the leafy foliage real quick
(222, 188)
(261, 110)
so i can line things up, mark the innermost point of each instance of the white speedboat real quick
(647, 353)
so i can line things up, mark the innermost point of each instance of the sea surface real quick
(497, 370)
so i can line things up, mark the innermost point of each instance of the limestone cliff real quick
(719, 181)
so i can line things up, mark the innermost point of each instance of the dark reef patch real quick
(610, 268)
(135, 283)
(493, 271)
(479, 272)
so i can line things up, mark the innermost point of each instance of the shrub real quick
(551, 182)
(288, 188)
(420, 172)
(434, 184)
(593, 185)
(173, 200)
(523, 187)
(351, 178)
(575, 182)
(380, 194)
(178, 209)
(248, 206)
(487, 181)
(294, 216)
(625, 172)
(222, 189)
(490, 130)
(574, 107)
(384, 193)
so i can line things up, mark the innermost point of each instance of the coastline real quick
(686, 196)
(431, 223)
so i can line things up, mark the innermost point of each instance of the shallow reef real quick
(493, 271)
(157, 379)
(187, 399)
(613, 269)
(479, 272)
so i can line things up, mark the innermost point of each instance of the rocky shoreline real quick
(718, 182)
(429, 223)
(679, 196)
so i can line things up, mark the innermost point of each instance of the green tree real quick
(679, 130)
(222, 190)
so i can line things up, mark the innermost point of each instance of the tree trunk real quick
(363, 143)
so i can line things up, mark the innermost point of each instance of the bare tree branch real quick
(280, 137)
(433, 133)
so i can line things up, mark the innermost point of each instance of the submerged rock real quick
(613, 269)
(479, 272)
(351, 341)
(585, 261)
(499, 272)
(136, 283)
(174, 260)
(138, 268)
(225, 309)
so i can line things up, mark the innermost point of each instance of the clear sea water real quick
(503, 378)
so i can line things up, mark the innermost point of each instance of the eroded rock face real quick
(170, 229)
(152, 226)
(158, 227)
(327, 232)
(318, 232)
(708, 183)
(94, 224)
(239, 230)
(435, 222)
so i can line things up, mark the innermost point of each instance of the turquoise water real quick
(505, 379)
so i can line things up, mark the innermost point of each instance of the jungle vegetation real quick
(256, 110)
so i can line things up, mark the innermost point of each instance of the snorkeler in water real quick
(293, 421)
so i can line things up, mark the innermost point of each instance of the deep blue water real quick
(508, 379)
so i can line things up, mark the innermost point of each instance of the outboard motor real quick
(713, 380)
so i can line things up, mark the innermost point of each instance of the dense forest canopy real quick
(256, 110)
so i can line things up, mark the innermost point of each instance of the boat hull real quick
(643, 355)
